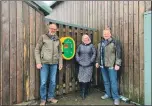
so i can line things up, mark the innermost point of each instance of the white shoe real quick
(105, 96)
(116, 102)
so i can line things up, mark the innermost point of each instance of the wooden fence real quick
(126, 19)
(20, 27)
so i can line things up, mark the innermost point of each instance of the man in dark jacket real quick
(108, 58)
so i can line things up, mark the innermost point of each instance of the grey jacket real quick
(86, 54)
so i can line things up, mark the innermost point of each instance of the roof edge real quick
(46, 9)
(68, 24)
(55, 3)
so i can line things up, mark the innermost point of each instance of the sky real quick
(48, 2)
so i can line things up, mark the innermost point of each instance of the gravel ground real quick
(74, 99)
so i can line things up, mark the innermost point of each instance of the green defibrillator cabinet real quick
(68, 47)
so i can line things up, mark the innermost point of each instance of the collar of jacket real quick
(86, 44)
(109, 40)
(55, 37)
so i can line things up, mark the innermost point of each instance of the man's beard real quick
(52, 33)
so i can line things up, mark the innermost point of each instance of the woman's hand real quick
(97, 65)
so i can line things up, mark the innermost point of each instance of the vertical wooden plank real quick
(32, 48)
(43, 24)
(78, 36)
(141, 49)
(75, 12)
(121, 71)
(126, 49)
(37, 77)
(12, 52)
(0, 56)
(117, 19)
(78, 41)
(131, 48)
(70, 65)
(113, 18)
(26, 51)
(83, 31)
(95, 13)
(117, 31)
(103, 17)
(57, 74)
(19, 52)
(85, 13)
(5, 53)
(99, 17)
(95, 37)
(109, 5)
(78, 13)
(87, 17)
(67, 78)
(60, 72)
(73, 3)
(91, 14)
(148, 6)
(64, 64)
(106, 13)
(76, 65)
(136, 53)
(73, 62)
(67, 12)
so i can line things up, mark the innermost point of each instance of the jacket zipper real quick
(53, 50)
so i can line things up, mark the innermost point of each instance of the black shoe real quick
(86, 92)
(87, 88)
(80, 89)
(83, 94)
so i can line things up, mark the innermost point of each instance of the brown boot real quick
(52, 100)
(42, 102)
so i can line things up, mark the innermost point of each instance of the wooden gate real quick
(67, 78)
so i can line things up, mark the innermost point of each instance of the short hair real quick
(108, 28)
(53, 24)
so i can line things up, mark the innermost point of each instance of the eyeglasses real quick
(52, 29)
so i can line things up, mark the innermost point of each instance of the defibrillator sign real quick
(68, 47)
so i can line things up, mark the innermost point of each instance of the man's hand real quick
(117, 67)
(97, 65)
(39, 66)
(60, 66)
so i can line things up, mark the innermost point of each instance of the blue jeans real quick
(110, 81)
(48, 70)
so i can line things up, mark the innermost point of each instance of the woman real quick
(108, 58)
(85, 56)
